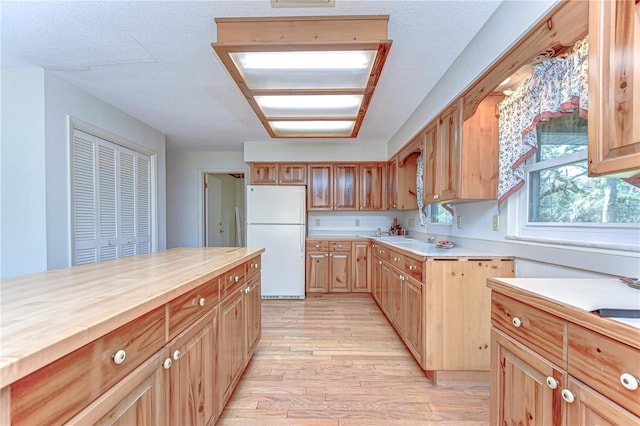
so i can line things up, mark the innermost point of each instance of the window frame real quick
(614, 236)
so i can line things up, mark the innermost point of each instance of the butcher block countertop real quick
(47, 315)
(575, 299)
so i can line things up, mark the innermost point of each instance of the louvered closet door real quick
(84, 203)
(111, 200)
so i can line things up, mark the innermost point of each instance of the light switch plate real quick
(412, 222)
(357, 222)
(496, 222)
(459, 221)
(317, 222)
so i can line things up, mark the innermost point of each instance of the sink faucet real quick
(378, 233)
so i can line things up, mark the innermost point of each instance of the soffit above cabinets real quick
(305, 76)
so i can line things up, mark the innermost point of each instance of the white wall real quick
(319, 151)
(35, 122)
(23, 182)
(184, 191)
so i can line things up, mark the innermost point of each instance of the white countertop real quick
(431, 250)
(587, 294)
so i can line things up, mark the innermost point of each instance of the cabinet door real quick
(449, 132)
(376, 279)
(519, 392)
(385, 288)
(413, 318)
(430, 163)
(231, 344)
(317, 272)
(320, 189)
(372, 186)
(292, 174)
(590, 408)
(345, 187)
(138, 399)
(264, 173)
(360, 282)
(396, 280)
(340, 280)
(614, 87)
(191, 388)
(253, 309)
(392, 184)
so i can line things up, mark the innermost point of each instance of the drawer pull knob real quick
(119, 356)
(411, 267)
(551, 382)
(380, 262)
(516, 322)
(167, 363)
(175, 355)
(201, 301)
(247, 290)
(629, 381)
(568, 396)
(236, 278)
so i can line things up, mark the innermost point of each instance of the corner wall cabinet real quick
(551, 364)
(614, 88)
(175, 361)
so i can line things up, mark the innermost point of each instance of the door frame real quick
(201, 197)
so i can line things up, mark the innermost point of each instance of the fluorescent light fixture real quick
(317, 60)
(305, 76)
(317, 128)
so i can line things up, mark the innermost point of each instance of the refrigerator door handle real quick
(302, 240)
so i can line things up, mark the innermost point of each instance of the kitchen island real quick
(71, 338)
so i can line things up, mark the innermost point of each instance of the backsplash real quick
(348, 224)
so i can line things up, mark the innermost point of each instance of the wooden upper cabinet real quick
(407, 172)
(392, 184)
(320, 187)
(614, 88)
(430, 163)
(373, 186)
(345, 188)
(292, 174)
(264, 173)
(449, 132)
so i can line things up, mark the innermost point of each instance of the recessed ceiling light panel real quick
(309, 105)
(317, 128)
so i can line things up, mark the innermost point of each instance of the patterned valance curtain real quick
(556, 87)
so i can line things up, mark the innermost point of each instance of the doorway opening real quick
(223, 210)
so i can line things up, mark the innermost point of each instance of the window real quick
(562, 203)
(111, 200)
(439, 214)
(560, 190)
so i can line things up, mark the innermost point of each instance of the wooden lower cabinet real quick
(585, 389)
(413, 318)
(361, 281)
(330, 266)
(138, 399)
(590, 408)
(519, 392)
(253, 301)
(192, 373)
(231, 347)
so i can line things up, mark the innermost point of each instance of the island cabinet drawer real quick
(184, 310)
(605, 365)
(414, 268)
(233, 279)
(340, 245)
(56, 392)
(540, 331)
(317, 245)
(254, 266)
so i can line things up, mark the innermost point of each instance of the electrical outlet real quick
(459, 219)
(357, 222)
(317, 222)
(412, 222)
(496, 222)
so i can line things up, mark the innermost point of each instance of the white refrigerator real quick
(276, 220)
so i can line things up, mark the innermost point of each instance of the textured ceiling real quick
(153, 59)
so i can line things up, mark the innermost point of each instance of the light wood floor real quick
(338, 361)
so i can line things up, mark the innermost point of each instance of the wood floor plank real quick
(338, 362)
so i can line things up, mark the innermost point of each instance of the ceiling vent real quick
(303, 3)
(306, 77)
